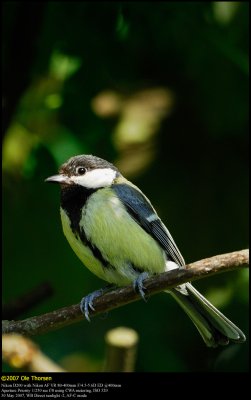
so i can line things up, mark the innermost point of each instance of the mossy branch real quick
(122, 296)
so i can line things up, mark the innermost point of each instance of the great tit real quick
(115, 231)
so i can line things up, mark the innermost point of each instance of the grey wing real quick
(144, 214)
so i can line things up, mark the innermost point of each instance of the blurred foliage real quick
(161, 90)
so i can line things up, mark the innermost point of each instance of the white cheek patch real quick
(96, 178)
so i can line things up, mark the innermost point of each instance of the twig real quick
(119, 297)
(21, 353)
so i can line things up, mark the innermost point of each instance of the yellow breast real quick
(118, 237)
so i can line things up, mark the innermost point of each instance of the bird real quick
(117, 234)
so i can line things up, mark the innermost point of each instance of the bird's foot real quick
(86, 303)
(138, 285)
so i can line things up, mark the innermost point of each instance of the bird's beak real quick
(59, 179)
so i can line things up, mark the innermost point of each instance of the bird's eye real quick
(80, 170)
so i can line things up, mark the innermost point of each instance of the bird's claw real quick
(87, 303)
(139, 286)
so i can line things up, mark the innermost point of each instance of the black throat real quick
(73, 199)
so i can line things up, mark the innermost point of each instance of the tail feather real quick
(212, 325)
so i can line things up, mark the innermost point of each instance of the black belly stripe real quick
(73, 199)
(97, 254)
(94, 249)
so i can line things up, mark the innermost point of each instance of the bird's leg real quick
(139, 286)
(87, 302)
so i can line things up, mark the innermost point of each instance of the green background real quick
(57, 59)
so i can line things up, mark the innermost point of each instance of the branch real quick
(125, 295)
(21, 353)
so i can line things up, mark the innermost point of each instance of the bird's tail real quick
(212, 325)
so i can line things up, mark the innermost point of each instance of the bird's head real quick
(87, 171)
